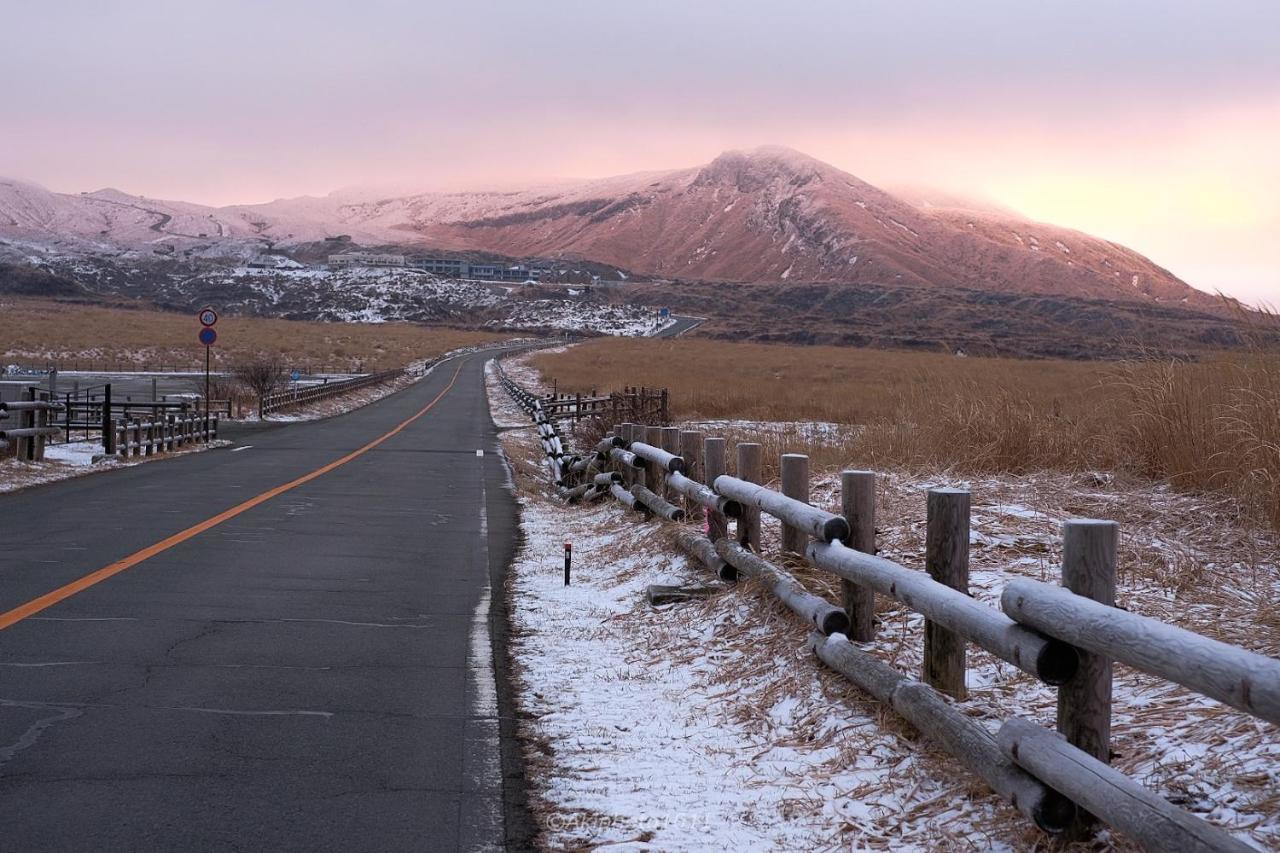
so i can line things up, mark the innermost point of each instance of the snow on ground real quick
(73, 453)
(608, 319)
(800, 430)
(710, 725)
(64, 461)
(354, 294)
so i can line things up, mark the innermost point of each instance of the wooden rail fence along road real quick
(1067, 636)
(312, 393)
(26, 438)
(639, 405)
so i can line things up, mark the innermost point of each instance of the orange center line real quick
(62, 593)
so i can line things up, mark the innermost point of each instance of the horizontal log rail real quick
(656, 504)
(819, 612)
(664, 459)
(968, 741)
(1151, 820)
(825, 526)
(31, 406)
(1052, 661)
(704, 496)
(1234, 676)
(702, 549)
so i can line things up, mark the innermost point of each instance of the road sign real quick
(208, 336)
(295, 375)
(208, 317)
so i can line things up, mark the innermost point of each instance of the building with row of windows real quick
(483, 271)
(365, 259)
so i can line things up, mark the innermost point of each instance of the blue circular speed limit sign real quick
(208, 336)
(208, 317)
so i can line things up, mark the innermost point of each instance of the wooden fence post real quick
(1089, 569)
(24, 447)
(713, 464)
(42, 420)
(671, 444)
(749, 469)
(624, 431)
(795, 484)
(639, 476)
(691, 452)
(947, 560)
(858, 506)
(652, 473)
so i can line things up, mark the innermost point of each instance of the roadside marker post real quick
(208, 318)
(568, 558)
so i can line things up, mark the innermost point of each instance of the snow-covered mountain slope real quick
(772, 214)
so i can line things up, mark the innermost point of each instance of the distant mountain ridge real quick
(768, 215)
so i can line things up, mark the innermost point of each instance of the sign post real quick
(208, 317)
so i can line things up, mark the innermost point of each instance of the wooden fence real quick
(163, 434)
(640, 405)
(26, 438)
(1066, 636)
(312, 393)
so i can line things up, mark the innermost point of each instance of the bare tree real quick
(262, 375)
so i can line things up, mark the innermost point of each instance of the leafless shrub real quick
(261, 375)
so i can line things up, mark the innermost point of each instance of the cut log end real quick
(835, 622)
(1054, 814)
(1057, 662)
(835, 529)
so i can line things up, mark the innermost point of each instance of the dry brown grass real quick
(1207, 426)
(35, 331)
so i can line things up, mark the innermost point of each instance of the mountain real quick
(768, 215)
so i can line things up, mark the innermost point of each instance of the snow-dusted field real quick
(710, 725)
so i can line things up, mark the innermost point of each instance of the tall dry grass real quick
(1206, 426)
(1212, 426)
(38, 331)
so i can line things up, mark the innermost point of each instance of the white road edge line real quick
(243, 447)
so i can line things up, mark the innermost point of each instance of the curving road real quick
(284, 645)
(680, 326)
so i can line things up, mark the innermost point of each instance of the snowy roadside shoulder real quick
(709, 723)
(702, 725)
(342, 403)
(76, 459)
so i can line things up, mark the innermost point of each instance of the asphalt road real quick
(680, 326)
(314, 672)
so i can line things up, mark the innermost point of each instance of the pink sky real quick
(1153, 123)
